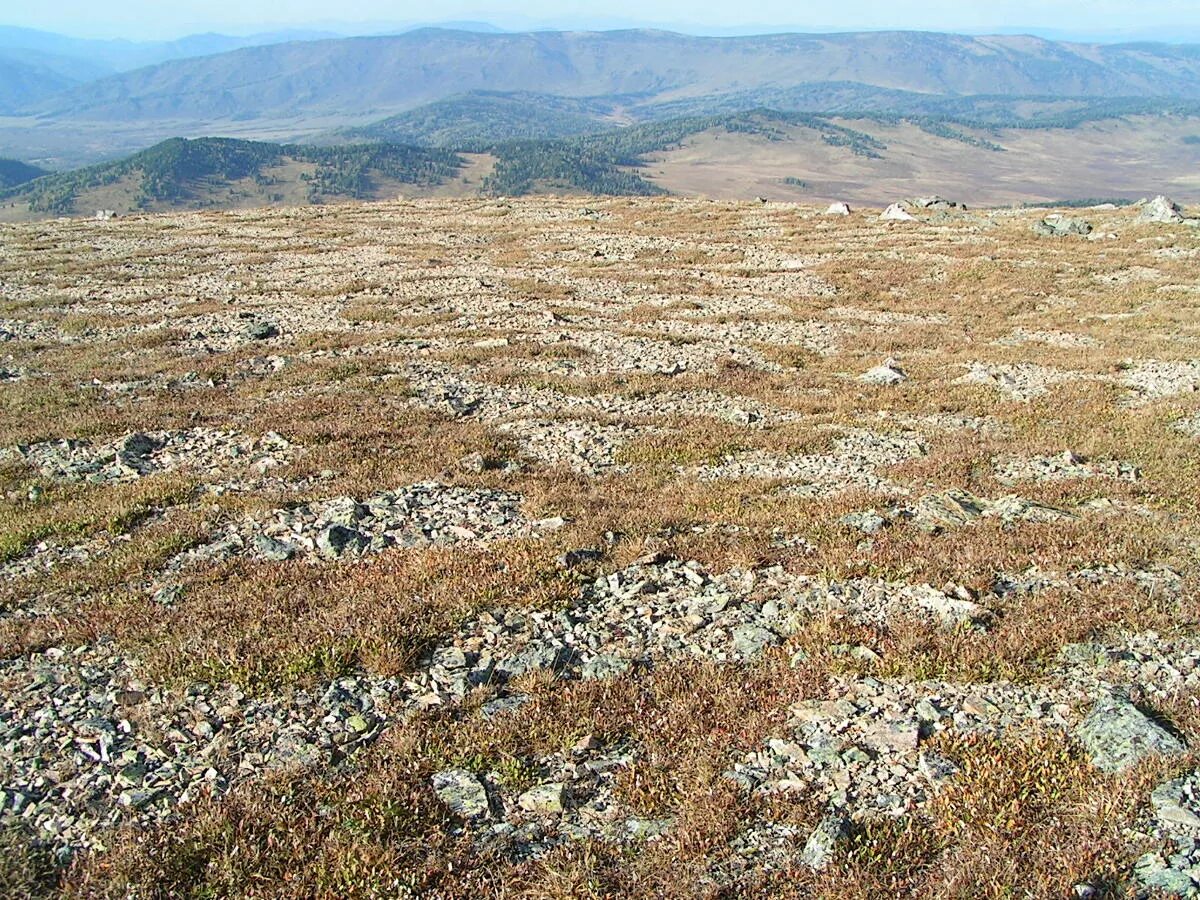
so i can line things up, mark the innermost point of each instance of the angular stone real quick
(604, 666)
(271, 549)
(822, 843)
(1174, 805)
(544, 799)
(337, 540)
(1116, 735)
(1161, 210)
(1057, 225)
(897, 213)
(463, 793)
(750, 640)
(888, 373)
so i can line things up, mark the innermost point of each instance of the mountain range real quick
(374, 76)
(581, 111)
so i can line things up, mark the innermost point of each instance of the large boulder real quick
(1056, 225)
(838, 209)
(935, 203)
(897, 213)
(1117, 735)
(1162, 210)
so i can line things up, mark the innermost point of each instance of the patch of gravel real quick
(863, 751)
(613, 353)
(1065, 466)
(1020, 381)
(571, 798)
(1063, 339)
(89, 745)
(1153, 379)
(854, 462)
(656, 611)
(48, 554)
(460, 396)
(204, 451)
(885, 317)
(956, 508)
(588, 448)
(1189, 426)
(1173, 821)
(815, 335)
(424, 514)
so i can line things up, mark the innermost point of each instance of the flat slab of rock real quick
(463, 793)
(1117, 735)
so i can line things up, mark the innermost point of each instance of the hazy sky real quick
(171, 18)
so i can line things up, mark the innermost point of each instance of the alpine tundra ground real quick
(566, 548)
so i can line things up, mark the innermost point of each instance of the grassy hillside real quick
(219, 171)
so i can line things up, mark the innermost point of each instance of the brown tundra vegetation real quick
(600, 548)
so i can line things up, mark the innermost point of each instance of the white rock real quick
(897, 213)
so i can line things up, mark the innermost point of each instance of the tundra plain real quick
(599, 547)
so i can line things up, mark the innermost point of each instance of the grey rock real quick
(544, 799)
(1062, 226)
(1161, 210)
(822, 843)
(867, 521)
(508, 703)
(887, 373)
(338, 540)
(533, 658)
(262, 330)
(1175, 804)
(750, 640)
(1154, 872)
(605, 666)
(1116, 735)
(270, 549)
(463, 793)
(897, 213)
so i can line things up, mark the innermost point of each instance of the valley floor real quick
(562, 548)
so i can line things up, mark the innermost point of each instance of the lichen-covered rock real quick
(1116, 735)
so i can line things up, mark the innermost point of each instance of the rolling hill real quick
(225, 173)
(776, 155)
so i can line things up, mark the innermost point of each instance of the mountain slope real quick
(183, 174)
(491, 116)
(13, 172)
(359, 76)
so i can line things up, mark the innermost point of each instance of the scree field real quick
(599, 548)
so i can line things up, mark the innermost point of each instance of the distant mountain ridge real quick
(376, 76)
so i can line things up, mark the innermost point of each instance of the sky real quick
(161, 19)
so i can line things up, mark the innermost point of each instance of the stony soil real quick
(599, 548)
